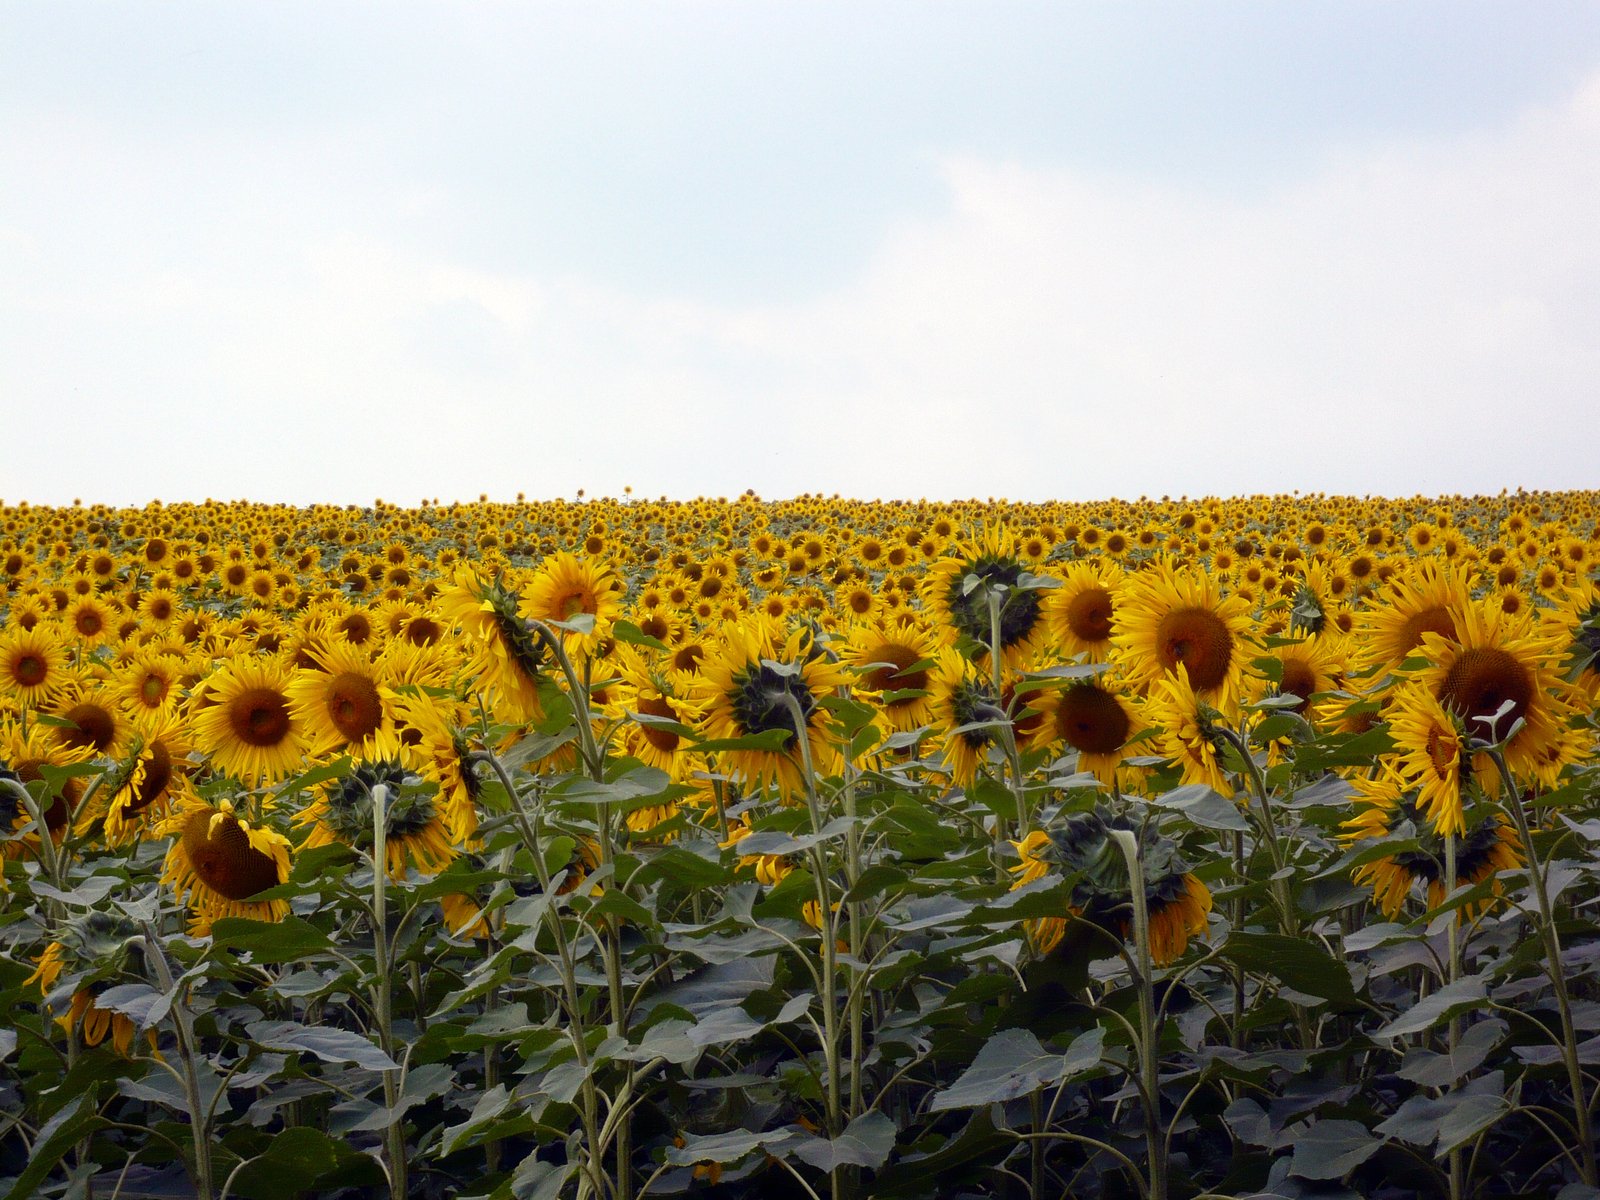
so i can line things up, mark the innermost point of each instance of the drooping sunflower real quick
(503, 656)
(33, 664)
(218, 861)
(1498, 660)
(1044, 933)
(96, 952)
(1093, 717)
(566, 586)
(432, 731)
(345, 704)
(415, 833)
(158, 767)
(1430, 754)
(1170, 617)
(1079, 613)
(1188, 734)
(24, 753)
(245, 720)
(963, 607)
(960, 698)
(892, 659)
(748, 687)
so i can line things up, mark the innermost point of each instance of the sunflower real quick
(33, 664)
(1382, 811)
(433, 734)
(96, 950)
(644, 691)
(24, 753)
(415, 832)
(504, 656)
(1495, 661)
(1079, 613)
(1189, 734)
(1170, 617)
(247, 723)
(769, 869)
(158, 767)
(1044, 933)
(1425, 598)
(1305, 669)
(218, 861)
(566, 586)
(963, 610)
(345, 704)
(1178, 903)
(149, 682)
(1092, 717)
(960, 699)
(892, 660)
(747, 689)
(94, 720)
(1430, 748)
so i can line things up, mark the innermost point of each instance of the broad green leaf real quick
(1331, 1149)
(866, 1142)
(327, 1043)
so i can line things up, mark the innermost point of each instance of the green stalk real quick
(1453, 970)
(1149, 1048)
(394, 1134)
(183, 1024)
(1558, 979)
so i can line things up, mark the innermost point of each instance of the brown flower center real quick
(96, 728)
(896, 678)
(1199, 639)
(30, 670)
(1481, 680)
(224, 860)
(1091, 720)
(259, 717)
(1429, 620)
(663, 740)
(1089, 615)
(354, 706)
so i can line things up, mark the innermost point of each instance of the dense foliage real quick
(1165, 849)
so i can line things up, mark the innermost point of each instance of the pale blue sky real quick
(333, 251)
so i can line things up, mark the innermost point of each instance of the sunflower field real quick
(815, 848)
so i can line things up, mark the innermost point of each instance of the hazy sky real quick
(325, 251)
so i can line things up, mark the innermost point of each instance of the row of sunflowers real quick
(1015, 847)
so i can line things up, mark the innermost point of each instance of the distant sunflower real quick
(1170, 617)
(746, 688)
(150, 682)
(893, 659)
(414, 832)
(247, 724)
(1306, 668)
(650, 692)
(33, 664)
(218, 861)
(1079, 613)
(345, 704)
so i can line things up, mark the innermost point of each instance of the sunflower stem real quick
(1149, 1061)
(1553, 968)
(183, 1025)
(394, 1133)
(1453, 972)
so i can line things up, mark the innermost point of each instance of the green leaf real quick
(771, 740)
(866, 1142)
(287, 941)
(1454, 997)
(728, 1147)
(1451, 1119)
(1331, 1149)
(328, 1044)
(1431, 1069)
(1205, 807)
(53, 1141)
(627, 631)
(302, 1159)
(1301, 963)
(1013, 1063)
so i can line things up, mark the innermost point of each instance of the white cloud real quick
(1414, 316)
